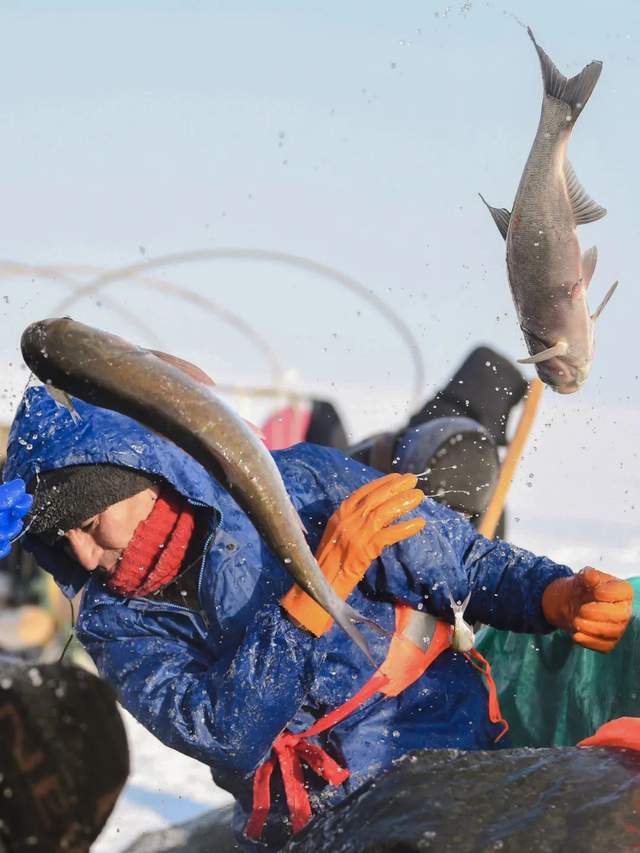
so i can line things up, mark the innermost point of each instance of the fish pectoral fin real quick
(347, 618)
(63, 400)
(501, 217)
(561, 348)
(603, 304)
(585, 209)
(588, 263)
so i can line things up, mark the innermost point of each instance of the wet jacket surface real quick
(221, 682)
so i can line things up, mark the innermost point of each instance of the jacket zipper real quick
(202, 612)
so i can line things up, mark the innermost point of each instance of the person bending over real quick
(194, 621)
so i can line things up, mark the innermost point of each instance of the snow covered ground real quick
(164, 788)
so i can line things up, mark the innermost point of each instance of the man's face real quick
(100, 540)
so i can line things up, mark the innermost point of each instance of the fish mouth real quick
(558, 372)
(563, 377)
(567, 389)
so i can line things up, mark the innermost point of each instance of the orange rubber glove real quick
(594, 606)
(355, 535)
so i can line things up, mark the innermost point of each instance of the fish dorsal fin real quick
(187, 367)
(574, 91)
(585, 209)
(501, 217)
(588, 263)
(560, 348)
(603, 304)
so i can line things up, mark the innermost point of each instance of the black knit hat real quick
(65, 497)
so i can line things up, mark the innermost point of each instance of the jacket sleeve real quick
(449, 556)
(506, 582)
(225, 713)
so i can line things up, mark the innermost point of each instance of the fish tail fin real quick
(347, 618)
(573, 91)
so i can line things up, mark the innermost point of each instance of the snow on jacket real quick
(220, 683)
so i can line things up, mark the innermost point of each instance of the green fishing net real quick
(553, 692)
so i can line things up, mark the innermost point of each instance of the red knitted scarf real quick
(155, 553)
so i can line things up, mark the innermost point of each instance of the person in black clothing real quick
(452, 441)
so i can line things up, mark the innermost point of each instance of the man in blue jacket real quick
(181, 606)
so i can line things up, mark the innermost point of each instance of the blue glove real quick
(15, 503)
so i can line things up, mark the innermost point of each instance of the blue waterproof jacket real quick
(222, 682)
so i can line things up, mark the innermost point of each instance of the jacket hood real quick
(45, 436)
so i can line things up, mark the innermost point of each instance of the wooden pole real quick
(489, 521)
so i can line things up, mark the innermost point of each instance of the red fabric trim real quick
(155, 553)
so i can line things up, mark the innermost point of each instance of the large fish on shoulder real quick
(158, 392)
(548, 275)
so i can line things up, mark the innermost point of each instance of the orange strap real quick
(495, 714)
(405, 662)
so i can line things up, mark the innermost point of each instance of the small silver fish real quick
(463, 636)
(548, 275)
(63, 399)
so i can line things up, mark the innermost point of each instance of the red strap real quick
(404, 664)
(289, 750)
(375, 683)
(261, 799)
(495, 714)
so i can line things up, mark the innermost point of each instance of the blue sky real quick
(354, 134)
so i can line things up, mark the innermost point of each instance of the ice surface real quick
(164, 788)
